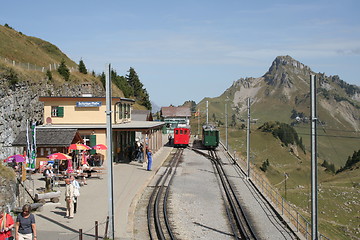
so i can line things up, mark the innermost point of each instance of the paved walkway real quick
(129, 182)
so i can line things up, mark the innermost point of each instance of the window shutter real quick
(92, 143)
(60, 111)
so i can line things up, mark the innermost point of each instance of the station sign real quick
(88, 104)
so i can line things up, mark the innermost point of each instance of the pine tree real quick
(82, 67)
(63, 70)
(122, 84)
(103, 79)
(134, 81)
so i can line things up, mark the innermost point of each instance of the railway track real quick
(271, 213)
(240, 225)
(157, 217)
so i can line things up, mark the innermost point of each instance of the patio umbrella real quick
(15, 158)
(59, 156)
(79, 146)
(100, 147)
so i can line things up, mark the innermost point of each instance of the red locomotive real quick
(181, 137)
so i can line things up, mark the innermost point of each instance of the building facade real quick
(175, 117)
(88, 116)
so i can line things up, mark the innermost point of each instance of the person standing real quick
(25, 227)
(149, 157)
(48, 174)
(69, 198)
(76, 191)
(6, 224)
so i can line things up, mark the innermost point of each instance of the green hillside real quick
(21, 48)
(281, 95)
(26, 58)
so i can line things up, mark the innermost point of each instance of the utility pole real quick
(286, 177)
(198, 118)
(248, 140)
(207, 112)
(109, 152)
(226, 127)
(314, 190)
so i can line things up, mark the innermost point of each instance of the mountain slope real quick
(283, 94)
(21, 48)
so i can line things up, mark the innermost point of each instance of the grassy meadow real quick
(338, 198)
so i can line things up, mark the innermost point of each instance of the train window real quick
(181, 131)
(176, 131)
(185, 131)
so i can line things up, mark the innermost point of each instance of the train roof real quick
(209, 127)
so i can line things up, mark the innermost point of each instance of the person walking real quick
(25, 227)
(6, 224)
(76, 191)
(149, 157)
(69, 198)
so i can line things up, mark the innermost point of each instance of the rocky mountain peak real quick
(288, 61)
(282, 69)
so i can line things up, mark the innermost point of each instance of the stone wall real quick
(8, 188)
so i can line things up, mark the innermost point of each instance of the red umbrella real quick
(100, 147)
(79, 146)
(15, 158)
(59, 156)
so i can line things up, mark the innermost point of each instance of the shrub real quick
(265, 165)
(63, 70)
(49, 75)
(12, 77)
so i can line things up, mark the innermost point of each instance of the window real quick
(120, 111)
(57, 111)
(181, 131)
(127, 110)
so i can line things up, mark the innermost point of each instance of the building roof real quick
(49, 137)
(65, 98)
(140, 115)
(175, 112)
(131, 126)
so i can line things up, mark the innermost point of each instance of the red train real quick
(181, 137)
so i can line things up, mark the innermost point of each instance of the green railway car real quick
(210, 137)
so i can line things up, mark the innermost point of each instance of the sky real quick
(191, 49)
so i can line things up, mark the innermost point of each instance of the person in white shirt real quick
(76, 185)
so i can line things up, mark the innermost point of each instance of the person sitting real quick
(86, 169)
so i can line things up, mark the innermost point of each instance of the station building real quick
(87, 116)
(175, 117)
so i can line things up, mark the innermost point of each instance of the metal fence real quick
(293, 218)
(34, 67)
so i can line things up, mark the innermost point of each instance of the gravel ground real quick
(196, 208)
(196, 201)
